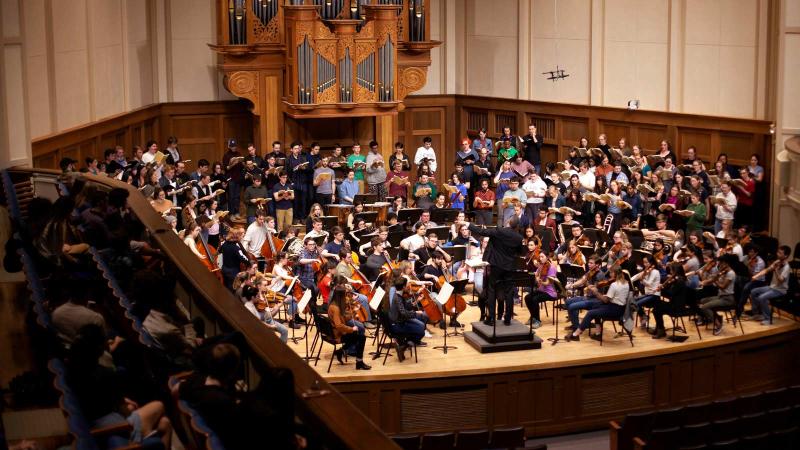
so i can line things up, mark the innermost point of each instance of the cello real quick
(210, 260)
(455, 304)
(360, 313)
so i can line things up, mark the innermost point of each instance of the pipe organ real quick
(322, 58)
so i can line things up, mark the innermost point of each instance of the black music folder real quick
(442, 233)
(444, 215)
(457, 252)
(365, 198)
(409, 215)
(328, 222)
(368, 216)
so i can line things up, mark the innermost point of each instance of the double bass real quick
(270, 250)
(210, 260)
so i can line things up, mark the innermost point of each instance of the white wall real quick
(694, 56)
(70, 62)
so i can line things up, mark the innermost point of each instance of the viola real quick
(424, 299)
(455, 304)
(295, 287)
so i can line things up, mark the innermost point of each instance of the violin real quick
(295, 288)
(357, 310)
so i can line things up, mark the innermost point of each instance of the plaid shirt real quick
(306, 271)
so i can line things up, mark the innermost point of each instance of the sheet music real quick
(377, 298)
(303, 302)
(444, 293)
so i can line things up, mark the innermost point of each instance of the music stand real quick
(288, 243)
(365, 198)
(365, 238)
(638, 255)
(596, 236)
(566, 231)
(458, 286)
(395, 237)
(319, 240)
(393, 252)
(402, 254)
(635, 237)
(444, 215)
(586, 250)
(561, 292)
(456, 252)
(328, 222)
(546, 234)
(409, 215)
(442, 233)
(368, 216)
(396, 227)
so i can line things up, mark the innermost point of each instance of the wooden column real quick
(386, 128)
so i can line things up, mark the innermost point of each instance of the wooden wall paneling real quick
(649, 137)
(738, 147)
(614, 131)
(701, 139)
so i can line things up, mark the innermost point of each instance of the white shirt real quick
(651, 282)
(413, 242)
(781, 286)
(148, 157)
(429, 153)
(618, 292)
(730, 200)
(279, 282)
(192, 246)
(254, 238)
(587, 180)
(539, 189)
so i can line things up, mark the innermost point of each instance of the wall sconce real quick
(772, 128)
(633, 105)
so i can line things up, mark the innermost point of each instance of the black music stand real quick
(586, 250)
(561, 292)
(368, 216)
(635, 237)
(442, 233)
(547, 236)
(395, 228)
(365, 198)
(395, 237)
(320, 240)
(566, 231)
(409, 216)
(444, 215)
(457, 252)
(458, 287)
(288, 243)
(365, 238)
(638, 255)
(597, 236)
(328, 222)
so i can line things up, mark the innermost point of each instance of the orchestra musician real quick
(305, 270)
(345, 269)
(760, 297)
(344, 331)
(545, 290)
(255, 237)
(724, 281)
(651, 281)
(611, 305)
(234, 256)
(755, 265)
(405, 323)
(281, 282)
(260, 308)
(425, 254)
(675, 289)
(593, 275)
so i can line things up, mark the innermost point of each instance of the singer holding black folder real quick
(505, 246)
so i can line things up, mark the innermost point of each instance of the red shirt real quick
(485, 196)
(324, 287)
(741, 197)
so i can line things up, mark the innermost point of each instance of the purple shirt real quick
(549, 289)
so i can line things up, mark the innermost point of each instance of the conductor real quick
(505, 246)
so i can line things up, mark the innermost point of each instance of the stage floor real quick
(465, 360)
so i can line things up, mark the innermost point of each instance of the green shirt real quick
(507, 154)
(696, 221)
(352, 160)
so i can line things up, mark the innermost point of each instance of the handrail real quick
(339, 421)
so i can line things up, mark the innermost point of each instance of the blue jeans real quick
(747, 290)
(412, 330)
(760, 298)
(365, 303)
(575, 304)
(645, 301)
(282, 330)
(601, 311)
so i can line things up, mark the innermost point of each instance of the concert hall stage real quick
(567, 387)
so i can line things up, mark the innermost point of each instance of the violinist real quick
(577, 236)
(280, 284)
(305, 267)
(755, 265)
(257, 305)
(404, 322)
(326, 284)
(351, 336)
(760, 297)
(616, 250)
(574, 304)
(406, 270)
(660, 256)
(545, 290)
(677, 291)
(611, 305)
(724, 282)
(651, 281)
(573, 256)
(233, 257)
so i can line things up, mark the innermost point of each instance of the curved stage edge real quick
(569, 387)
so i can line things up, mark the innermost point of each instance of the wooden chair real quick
(660, 439)
(634, 424)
